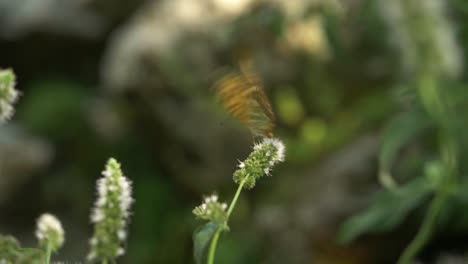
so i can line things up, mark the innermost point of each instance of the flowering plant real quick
(265, 155)
(111, 213)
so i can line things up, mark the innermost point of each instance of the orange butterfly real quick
(242, 94)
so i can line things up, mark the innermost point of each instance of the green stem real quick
(214, 241)
(48, 253)
(425, 232)
(234, 200)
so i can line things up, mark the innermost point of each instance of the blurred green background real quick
(133, 80)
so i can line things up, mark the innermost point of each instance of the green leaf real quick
(201, 240)
(388, 209)
(396, 135)
(8, 244)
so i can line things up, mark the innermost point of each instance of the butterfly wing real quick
(242, 95)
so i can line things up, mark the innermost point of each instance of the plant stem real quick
(48, 253)
(426, 229)
(234, 200)
(214, 241)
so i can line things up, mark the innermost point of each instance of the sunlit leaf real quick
(388, 209)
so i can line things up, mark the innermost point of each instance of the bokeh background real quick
(133, 80)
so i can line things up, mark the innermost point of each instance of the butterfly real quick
(242, 95)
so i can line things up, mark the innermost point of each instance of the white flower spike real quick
(265, 155)
(110, 214)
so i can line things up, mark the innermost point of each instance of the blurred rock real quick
(65, 17)
(153, 35)
(191, 34)
(451, 259)
(105, 119)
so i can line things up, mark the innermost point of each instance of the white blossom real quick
(8, 94)
(49, 231)
(279, 147)
(211, 209)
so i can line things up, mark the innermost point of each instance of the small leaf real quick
(8, 245)
(11, 251)
(201, 240)
(387, 210)
(398, 133)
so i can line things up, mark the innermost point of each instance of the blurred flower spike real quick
(111, 214)
(8, 94)
(264, 156)
(49, 232)
(211, 210)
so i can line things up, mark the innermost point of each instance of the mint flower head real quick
(49, 232)
(111, 214)
(264, 157)
(8, 94)
(211, 209)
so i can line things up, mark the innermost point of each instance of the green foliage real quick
(201, 241)
(169, 234)
(289, 107)
(55, 109)
(432, 67)
(12, 252)
(397, 134)
(388, 209)
(239, 247)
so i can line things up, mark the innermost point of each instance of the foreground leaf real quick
(201, 240)
(388, 209)
(11, 252)
(398, 133)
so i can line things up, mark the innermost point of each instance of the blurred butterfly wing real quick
(243, 97)
(232, 96)
(264, 118)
